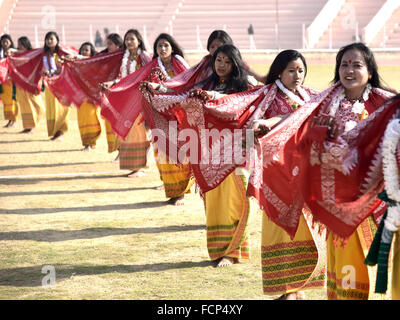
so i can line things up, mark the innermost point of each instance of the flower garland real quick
(128, 66)
(50, 66)
(293, 96)
(391, 173)
(357, 107)
(164, 71)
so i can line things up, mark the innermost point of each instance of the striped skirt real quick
(177, 178)
(291, 265)
(348, 277)
(89, 124)
(9, 104)
(133, 150)
(227, 214)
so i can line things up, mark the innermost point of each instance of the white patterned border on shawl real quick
(163, 102)
(231, 107)
(342, 154)
(371, 180)
(285, 212)
(273, 142)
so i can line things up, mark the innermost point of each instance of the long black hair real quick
(8, 37)
(116, 39)
(237, 81)
(48, 35)
(138, 36)
(176, 49)
(221, 35)
(91, 46)
(24, 41)
(372, 66)
(280, 63)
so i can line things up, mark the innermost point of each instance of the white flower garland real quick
(161, 65)
(391, 173)
(50, 66)
(128, 66)
(293, 96)
(357, 107)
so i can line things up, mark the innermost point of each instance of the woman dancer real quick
(177, 178)
(7, 92)
(289, 265)
(31, 105)
(227, 207)
(88, 121)
(329, 165)
(56, 113)
(133, 150)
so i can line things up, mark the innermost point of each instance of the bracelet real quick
(162, 88)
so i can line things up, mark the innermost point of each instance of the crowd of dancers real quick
(321, 166)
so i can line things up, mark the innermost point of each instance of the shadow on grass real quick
(47, 165)
(110, 207)
(19, 141)
(90, 233)
(29, 181)
(33, 276)
(43, 151)
(59, 192)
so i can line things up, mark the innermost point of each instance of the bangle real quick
(161, 88)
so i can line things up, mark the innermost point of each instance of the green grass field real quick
(108, 236)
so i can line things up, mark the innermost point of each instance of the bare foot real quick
(85, 149)
(291, 296)
(177, 201)
(227, 262)
(136, 173)
(160, 187)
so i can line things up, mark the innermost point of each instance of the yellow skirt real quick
(112, 139)
(177, 178)
(133, 150)
(396, 267)
(56, 114)
(9, 104)
(89, 124)
(348, 278)
(291, 265)
(31, 107)
(227, 214)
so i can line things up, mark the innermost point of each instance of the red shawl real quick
(224, 121)
(3, 70)
(337, 180)
(123, 103)
(80, 79)
(25, 68)
(187, 79)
